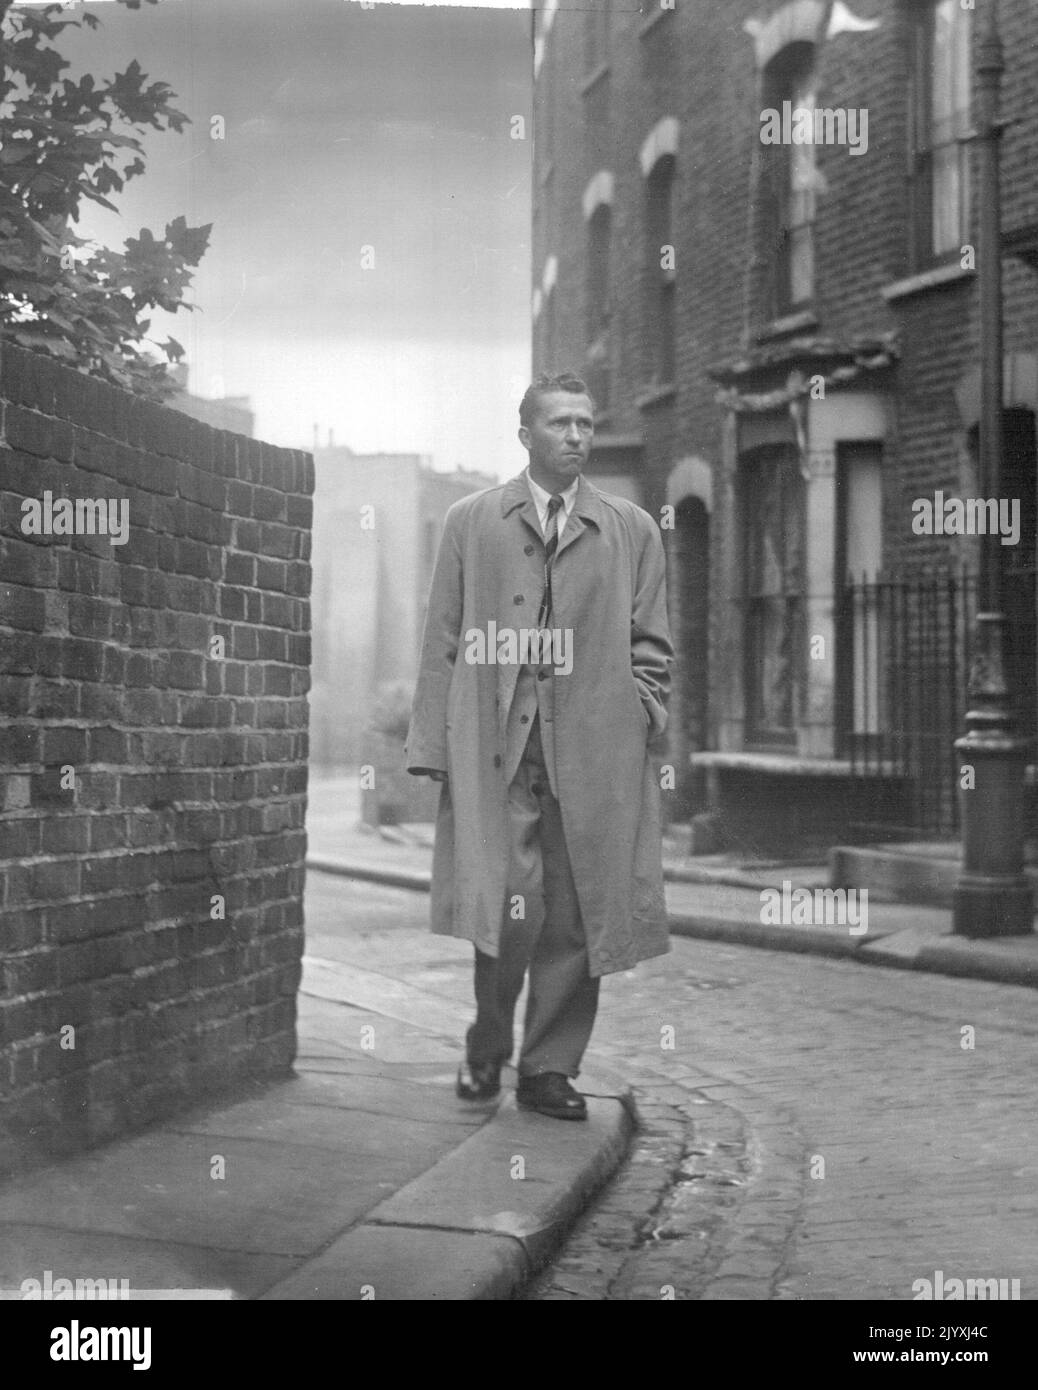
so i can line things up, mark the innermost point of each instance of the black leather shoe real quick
(478, 1080)
(551, 1094)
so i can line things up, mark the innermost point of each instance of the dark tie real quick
(551, 544)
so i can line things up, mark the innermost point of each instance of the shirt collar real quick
(542, 498)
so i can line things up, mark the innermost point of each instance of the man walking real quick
(544, 676)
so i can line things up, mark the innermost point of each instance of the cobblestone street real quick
(817, 1131)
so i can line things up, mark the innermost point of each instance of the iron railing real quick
(904, 647)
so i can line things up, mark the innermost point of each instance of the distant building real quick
(377, 525)
(232, 413)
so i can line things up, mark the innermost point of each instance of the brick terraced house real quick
(753, 236)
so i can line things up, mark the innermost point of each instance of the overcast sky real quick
(345, 128)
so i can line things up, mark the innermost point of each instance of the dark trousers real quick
(541, 931)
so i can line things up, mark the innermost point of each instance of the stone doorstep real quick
(924, 873)
(467, 1228)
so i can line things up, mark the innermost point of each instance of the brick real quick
(268, 504)
(16, 695)
(277, 680)
(82, 659)
(97, 789)
(29, 431)
(21, 838)
(65, 747)
(15, 792)
(19, 744)
(277, 610)
(239, 569)
(299, 511)
(192, 557)
(29, 974)
(21, 608)
(32, 565)
(271, 574)
(55, 879)
(185, 670)
(64, 834)
(272, 645)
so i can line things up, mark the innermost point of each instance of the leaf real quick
(60, 146)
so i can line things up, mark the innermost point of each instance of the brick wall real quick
(152, 785)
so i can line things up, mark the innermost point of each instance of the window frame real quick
(923, 148)
(791, 75)
(758, 734)
(659, 303)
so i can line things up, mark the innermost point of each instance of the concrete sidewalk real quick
(713, 897)
(352, 1179)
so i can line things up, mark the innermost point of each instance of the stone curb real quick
(420, 880)
(417, 880)
(965, 959)
(468, 1228)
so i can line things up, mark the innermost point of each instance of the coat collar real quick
(587, 507)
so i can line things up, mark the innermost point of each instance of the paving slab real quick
(29, 1251)
(525, 1176)
(276, 1198)
(295, 1175)
(386, 995)
(404, 1263)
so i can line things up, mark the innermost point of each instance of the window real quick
(660, 270)
(861, 654)
(940, 118)
(600, 227)
(598, 306)
(790, 186)
(773, 507)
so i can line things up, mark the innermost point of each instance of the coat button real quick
(524, 719)
(518, 599)
(528, 549)
(542, 675)
(497, 759)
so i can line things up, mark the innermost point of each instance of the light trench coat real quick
(608, 589)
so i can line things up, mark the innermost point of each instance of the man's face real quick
(559, 438)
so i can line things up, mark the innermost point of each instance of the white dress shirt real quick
(542, 498)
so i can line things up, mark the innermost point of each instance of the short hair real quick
(564, 381)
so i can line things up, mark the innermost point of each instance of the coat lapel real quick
(516, 495)
(587, 508)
